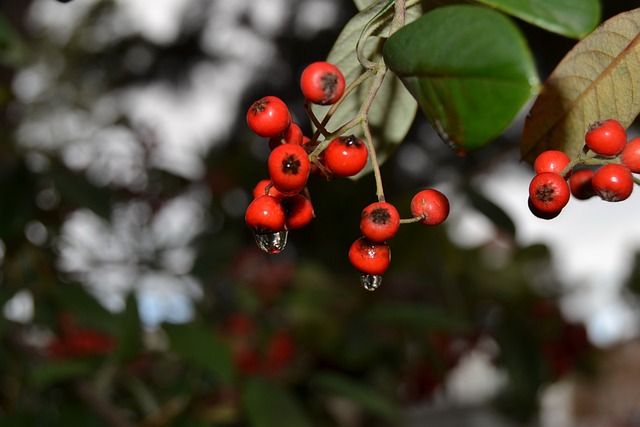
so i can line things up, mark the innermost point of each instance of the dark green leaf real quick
(470, 69)
(13, 51)
(414, 315)
(73, 298)
(47, 374)
(358, 393)
(267, 404)
(129, 333)
(493, 212)
(202, 348)
(76, 191)
(571, 18)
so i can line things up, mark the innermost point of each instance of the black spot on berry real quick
(290, 165)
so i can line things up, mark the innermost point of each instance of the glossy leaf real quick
(266, 404)
(202, 348)
(366, 397)
(571, 18)
(470, 69)
(597, 79)
(393, 109)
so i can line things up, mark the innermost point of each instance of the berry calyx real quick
(369, 257)
(289, 168)
(322, 83)
(345, 155)
(265, 215)
(430, 205)
(606, 137)
(298, 211)
(580, 183)
(549, 192)
(551, 161)
(613, 182)
(268, 117)
(379, 221)
(630, 155)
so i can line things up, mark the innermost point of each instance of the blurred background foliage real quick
(133, 293)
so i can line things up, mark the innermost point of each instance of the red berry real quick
(379, 222)
(369, 257)
(322, 83)
(289, 168)
(261, 189)
(298, 210)
(265, 215)
(431, 204)
(346, 155)
(268, 117)
(543, 215)
(549, 192)
(631, 155)
(606, 137)
(293, 135)
(551, 161)
(580, 183)
(613, 182)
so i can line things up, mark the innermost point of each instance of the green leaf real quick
(77, 191)
(73, 298)
(570, 18)
(358, 393)
(393, 110)
(470, 69)
(129, 333)
(200, 347)
(409, 315)
(48, 374)
(13, 51)
(267, 404)
(493, 212)
(596, 80)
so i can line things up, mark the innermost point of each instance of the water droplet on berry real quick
(272, 243)
(370, 281)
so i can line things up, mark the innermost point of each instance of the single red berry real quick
(549, 192)
(369, 257)
(268, 117)
(345, 155)
(581, 185)
(298, 210)
(631, 155)
(293, 135)
(430, 204)
(613, 182)
(606, 137)
(322, 83)
(261, 189)
(265, 215)
(289, 168)
(552, 161)
(379, 221)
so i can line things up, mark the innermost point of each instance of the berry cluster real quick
(605, 168)
(282, 202)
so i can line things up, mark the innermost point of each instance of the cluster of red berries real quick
(605, 169)
(76, 342)
(282, 203)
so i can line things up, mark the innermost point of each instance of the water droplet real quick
(371, 282)
(272, 243)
